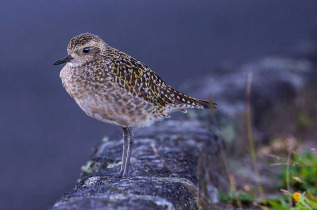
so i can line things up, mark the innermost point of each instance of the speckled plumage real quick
(115, 88)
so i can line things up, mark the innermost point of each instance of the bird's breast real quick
(75, 82)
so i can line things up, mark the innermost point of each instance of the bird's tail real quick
(184, 101)
(206, 104)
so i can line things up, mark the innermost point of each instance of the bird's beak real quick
(64, 60)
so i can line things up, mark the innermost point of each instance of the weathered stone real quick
(174, 165)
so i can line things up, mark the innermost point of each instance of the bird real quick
(115, 88)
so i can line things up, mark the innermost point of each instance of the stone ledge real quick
(174, 165)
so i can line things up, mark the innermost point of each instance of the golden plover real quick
(113, 87)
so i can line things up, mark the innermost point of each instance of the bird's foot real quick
(122, 174)
(125, 175)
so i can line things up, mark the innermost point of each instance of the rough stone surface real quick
(174, 165)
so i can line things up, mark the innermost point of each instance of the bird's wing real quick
(141, 81)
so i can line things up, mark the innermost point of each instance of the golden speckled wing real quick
(140, 80)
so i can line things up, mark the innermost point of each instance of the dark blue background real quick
(45, 138)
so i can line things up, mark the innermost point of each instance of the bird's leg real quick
(130, 146)
(124, 151)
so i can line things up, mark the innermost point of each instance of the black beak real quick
(64, 60)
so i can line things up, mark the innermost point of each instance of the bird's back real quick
(141, 81)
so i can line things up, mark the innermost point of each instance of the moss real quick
(112, 165)
(170, 179)
(88, 167)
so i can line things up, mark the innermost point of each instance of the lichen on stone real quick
(88, 167)
(111, 165)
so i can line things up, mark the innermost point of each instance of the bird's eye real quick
(86, 50)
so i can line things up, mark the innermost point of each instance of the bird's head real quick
(82, 49)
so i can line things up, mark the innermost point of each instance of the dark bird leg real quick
(124, 151)
(129, 152)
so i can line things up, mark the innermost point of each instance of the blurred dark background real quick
(45, 138)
